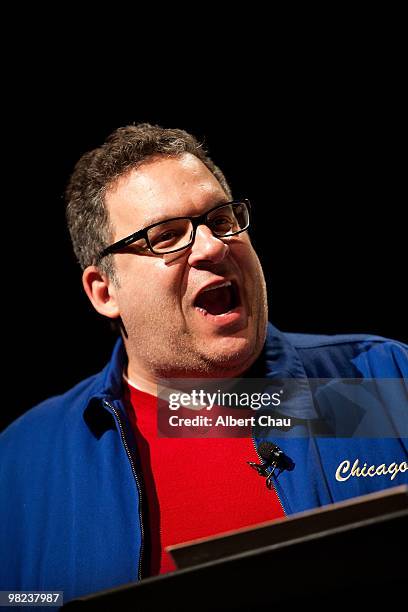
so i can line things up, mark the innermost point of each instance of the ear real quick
(101, 292)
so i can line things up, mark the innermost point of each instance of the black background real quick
(320, 155)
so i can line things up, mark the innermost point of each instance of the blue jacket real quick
(70, 509)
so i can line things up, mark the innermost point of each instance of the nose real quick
(207, 248)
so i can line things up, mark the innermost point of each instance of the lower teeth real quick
(214, 315)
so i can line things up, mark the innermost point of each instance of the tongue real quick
(215, 301)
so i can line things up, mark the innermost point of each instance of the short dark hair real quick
(96, 171)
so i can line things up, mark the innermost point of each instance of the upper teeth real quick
(226, 284)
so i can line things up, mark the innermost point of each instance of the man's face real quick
(173, 328)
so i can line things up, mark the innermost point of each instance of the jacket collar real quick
(280, 357)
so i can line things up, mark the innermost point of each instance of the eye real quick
(222, 223)
(162, 238)
(167, 235)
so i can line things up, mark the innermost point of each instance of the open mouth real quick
(218, 300)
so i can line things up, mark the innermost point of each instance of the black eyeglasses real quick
(179, 233)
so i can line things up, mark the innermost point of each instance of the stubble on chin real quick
(167, 350)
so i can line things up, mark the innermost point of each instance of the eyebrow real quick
(156, 219)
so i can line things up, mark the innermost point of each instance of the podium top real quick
(338, 516)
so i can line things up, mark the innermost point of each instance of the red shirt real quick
(195, 487)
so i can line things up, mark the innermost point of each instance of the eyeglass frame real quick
(195, 221)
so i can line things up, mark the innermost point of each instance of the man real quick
(93, 495)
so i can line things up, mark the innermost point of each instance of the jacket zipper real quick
(132, 465)
(273, 484)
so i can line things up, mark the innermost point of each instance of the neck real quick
(141, 380)
(144, 377)
(147, 382)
